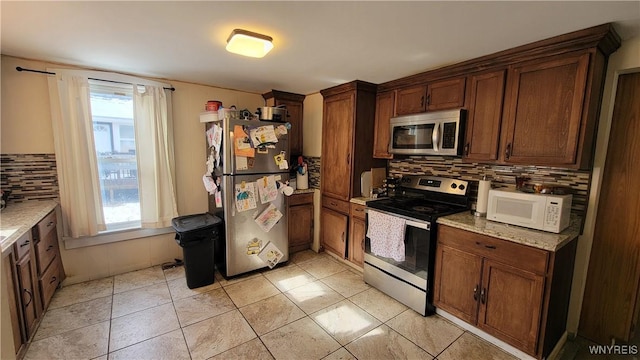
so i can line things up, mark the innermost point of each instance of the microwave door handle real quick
(435, 137)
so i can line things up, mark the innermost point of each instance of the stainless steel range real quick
(401, 237)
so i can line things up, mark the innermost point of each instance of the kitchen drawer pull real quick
(53, 279)
(342, 236)
(359, 209)
(348, 159)
(507, 153)
(26, 243)
(30, 297)
(475, 293)
(466, 149)
(50, 223)
(49, 247)
(422, 101)
(428, 99)
(483, 296)
(333, 204)
(490, 246)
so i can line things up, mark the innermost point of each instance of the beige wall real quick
(625, 60)
(312, 146)
(25, 128)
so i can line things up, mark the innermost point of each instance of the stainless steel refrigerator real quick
(239, 249)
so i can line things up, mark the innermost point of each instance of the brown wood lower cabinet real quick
(33, 271)
(514, 292)
(300, 222)
(334, 231)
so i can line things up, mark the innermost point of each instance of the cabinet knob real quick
(422, 101)
(53, 279)
(475, 293)
(26, 243)
(50, 223)
(507, 152)
(49, 247)
(428, 99)
(483, 295)
(466, 149)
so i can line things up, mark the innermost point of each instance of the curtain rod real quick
(111, 81)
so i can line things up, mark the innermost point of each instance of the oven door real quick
(419, 249)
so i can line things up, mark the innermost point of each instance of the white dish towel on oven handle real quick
(386, 235)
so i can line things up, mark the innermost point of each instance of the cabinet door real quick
(337, 139)
(511, 304)
(356, 241)
(300, 227)
(411, 100)
(11, 277)
(382, 132)
(334, 231)
(294, 112)
(544, 111)
(28, 294)
(485, 116)
(447, 94)
(457, 282)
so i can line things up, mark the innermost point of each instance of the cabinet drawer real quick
(23, 244)
(517, 255)
(46, 250)
(334, 204)
(45, 226)
(299, 199)
(49, 281)
(357, 211)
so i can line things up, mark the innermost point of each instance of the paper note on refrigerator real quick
(267, 189)
(268, 218)
(262, 135)
(245, 197)
(241, 163)
(241, 143)
(271, 255)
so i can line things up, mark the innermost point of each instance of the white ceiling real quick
(318, 44)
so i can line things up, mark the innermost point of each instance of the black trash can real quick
(196, 235)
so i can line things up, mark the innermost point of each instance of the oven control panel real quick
(437, 184)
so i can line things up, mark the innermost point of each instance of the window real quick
(113, 140)
(112, 108)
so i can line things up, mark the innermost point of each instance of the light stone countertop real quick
(534, 238)
(18, 218)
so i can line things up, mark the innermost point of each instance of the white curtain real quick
(154, 148)
(75, 155)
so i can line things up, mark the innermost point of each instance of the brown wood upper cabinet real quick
(486, 97)
(411, 100)
(544, 112)
(446, 94)
(294, 104)
(437, 95)
(384, 113)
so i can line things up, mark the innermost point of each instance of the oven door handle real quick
(419, 225)
(423, 226)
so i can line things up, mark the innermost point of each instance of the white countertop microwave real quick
(429, 133)
(536, 211)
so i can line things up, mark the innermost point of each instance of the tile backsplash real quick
(29, 176)
(313, 164)
(577, 180)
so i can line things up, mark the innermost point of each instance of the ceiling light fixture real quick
(248, 43)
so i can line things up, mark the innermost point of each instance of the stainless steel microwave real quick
(430, 133)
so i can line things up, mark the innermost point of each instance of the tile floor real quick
(313, 308)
